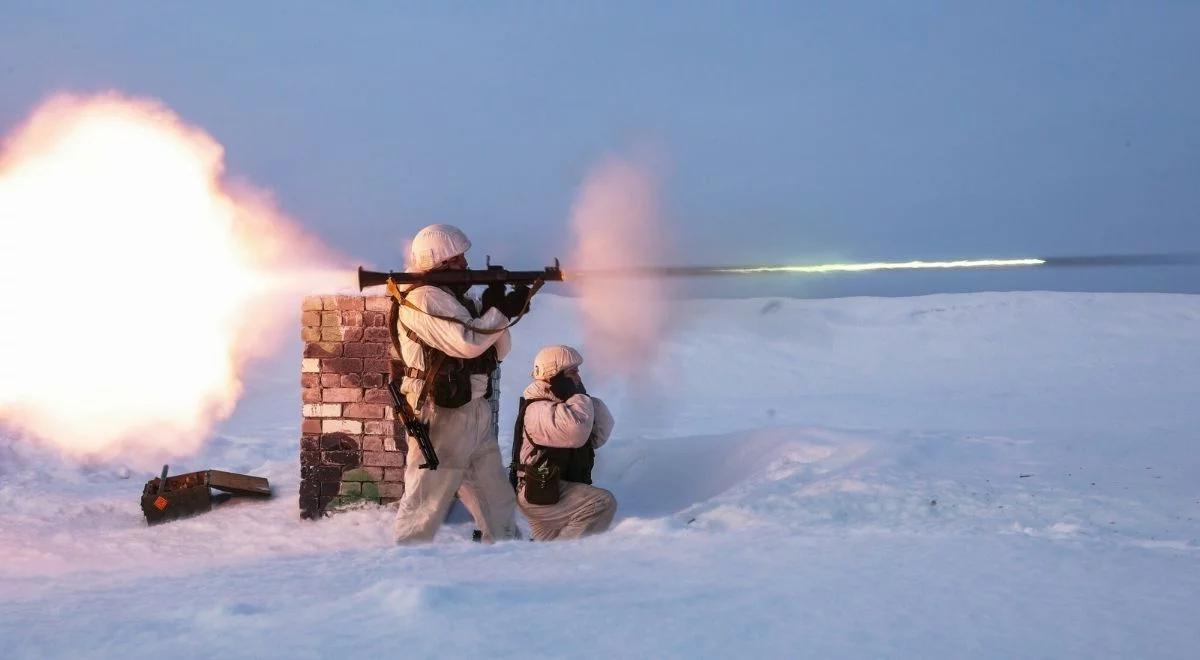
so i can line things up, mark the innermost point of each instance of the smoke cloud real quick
(618, 223)
(136, 283)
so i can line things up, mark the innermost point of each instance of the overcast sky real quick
(790, 131)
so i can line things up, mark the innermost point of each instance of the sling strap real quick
(432, 363)
(400, 298)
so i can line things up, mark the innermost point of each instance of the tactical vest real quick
(451, 384)
(573, 463)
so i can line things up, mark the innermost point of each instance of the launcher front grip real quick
(491, 275)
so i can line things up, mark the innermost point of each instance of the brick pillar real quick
(351, 448)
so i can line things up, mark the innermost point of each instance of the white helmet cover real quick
(553, 359)
(435, 244)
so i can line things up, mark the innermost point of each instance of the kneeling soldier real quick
(558, 430)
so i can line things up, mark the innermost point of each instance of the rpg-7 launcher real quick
(490, 275)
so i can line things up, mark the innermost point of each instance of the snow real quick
(969, 475)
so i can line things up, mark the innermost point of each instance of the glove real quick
(493, 296)
(514, 302)
(565, 387)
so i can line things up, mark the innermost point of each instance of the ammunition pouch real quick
(541, 482)
(543, 478)
(451, 385)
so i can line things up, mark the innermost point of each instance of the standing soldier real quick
(559, 427)
(440, 327)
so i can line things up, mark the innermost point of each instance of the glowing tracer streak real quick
(884, 265)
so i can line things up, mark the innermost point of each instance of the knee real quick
(606, 501)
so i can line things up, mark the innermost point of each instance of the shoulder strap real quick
(401, 299)
(433, 359)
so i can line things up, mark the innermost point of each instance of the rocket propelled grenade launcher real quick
(491, 275)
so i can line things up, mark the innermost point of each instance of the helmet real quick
(553, 359)
(435, 244)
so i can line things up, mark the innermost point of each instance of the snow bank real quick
(983, 475)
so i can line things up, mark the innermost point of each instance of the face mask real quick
(564, 386)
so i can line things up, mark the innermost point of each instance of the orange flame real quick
(135, 284)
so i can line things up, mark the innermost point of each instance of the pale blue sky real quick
(793, 131)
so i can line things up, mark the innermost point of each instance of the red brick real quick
(349, 380)
(310, 507)
(311, 303)
(345, 458)
(383, 458)
(310, 319)
(372, 443)
(338, 441)
(374, 320)
(364, 350)
(363, 410)
(390, 490)
(310, 334)
(341, 395)
(377, 395)
(378, 365)
(322, 410)
(310, 426)
(330, 349)
(341, 426)
(329, 473)
(376, 473)
(310, 394)
(328, 302)
(352, 334)
(378, 303)
(331, 380)
(331, 333)
(345, 303)
(386, 429)
(372, 380)
(352, 319)
(331, 319)
(394, 475)
(342, 365)
(377, 334)
(310, 380)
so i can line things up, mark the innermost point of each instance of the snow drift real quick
(983, 475)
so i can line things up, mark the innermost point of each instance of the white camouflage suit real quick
(463, 438)
(582, 509)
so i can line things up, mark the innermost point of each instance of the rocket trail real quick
(1093, 261)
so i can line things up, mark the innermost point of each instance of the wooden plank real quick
(242, 484)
